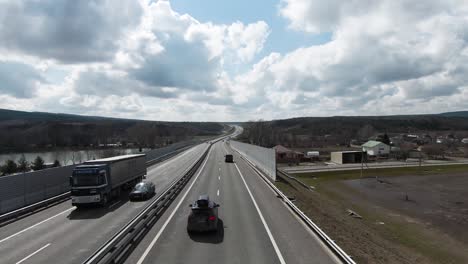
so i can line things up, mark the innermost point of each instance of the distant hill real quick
(455, 114)
(6, 114)
(340, 130)
(20, 130)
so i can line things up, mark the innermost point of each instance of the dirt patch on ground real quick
(392, 230)
(439, 201)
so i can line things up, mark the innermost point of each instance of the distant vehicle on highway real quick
(204, 215)
(142, 191)
(98, 181)
(229, 158)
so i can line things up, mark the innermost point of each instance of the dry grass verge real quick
(382, 235)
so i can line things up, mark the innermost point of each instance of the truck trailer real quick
(98, 181)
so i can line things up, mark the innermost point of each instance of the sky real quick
(211, 60)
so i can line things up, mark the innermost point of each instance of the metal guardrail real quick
(117, 249)
(322, 235)
(294, 179)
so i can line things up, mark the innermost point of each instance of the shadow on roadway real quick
(97, 211)
(214, 237)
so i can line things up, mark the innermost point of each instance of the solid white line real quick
(270, 235)
(217, 192)
(32, 254)
(43, 221)
(151, 245)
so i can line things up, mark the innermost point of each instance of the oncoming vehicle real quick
(142, 191)
(204, 215)
(229, 158)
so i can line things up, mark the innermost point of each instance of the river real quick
(67, 157)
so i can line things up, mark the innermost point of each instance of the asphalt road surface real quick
(64, 234)
(255, 226)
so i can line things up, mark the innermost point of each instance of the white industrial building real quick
(376, 148)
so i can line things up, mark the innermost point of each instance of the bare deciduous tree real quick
(435, 151)
(64, 157)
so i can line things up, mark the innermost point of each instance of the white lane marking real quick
(151, 245)
(219, 178)
(114, 204)
(217, 192)
(219, 168)
(32, 254)
(43, 221)
(270, 235)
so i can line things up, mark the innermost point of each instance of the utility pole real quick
(420, 161)
(362, 164)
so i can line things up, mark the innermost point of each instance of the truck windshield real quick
(88, 179)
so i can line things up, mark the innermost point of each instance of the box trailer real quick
(98, 181)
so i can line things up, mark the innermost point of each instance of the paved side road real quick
(255, 226)
(357, 166)
(64, 234)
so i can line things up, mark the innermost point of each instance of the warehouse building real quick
(344, 157)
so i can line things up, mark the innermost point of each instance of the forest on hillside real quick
(20, 131)
(322, 131)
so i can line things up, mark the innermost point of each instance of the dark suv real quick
(204, 215)
(229, 158)
(142, 191)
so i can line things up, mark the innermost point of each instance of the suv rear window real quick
(202, 203)
(202, 212)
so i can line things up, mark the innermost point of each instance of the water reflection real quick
(67, 157)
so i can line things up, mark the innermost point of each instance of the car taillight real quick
(212, 218)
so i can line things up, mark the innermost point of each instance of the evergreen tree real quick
(23, 164)
(56, 164)
(386, 139)
(38, 164)
(10, 167)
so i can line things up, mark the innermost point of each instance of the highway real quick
(64, 234)
(255, 226)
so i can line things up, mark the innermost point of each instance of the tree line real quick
(325, 131)
(22, 165)
(22, 135)
(60, 158)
